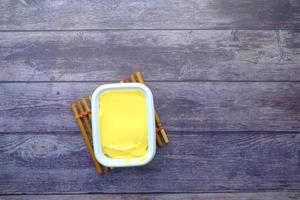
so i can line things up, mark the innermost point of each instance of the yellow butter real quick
(123, 123)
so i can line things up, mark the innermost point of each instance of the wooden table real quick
(225, 76)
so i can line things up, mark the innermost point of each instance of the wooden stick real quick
(160, 126)
(158, 140)
(87, 108)
(107, 169)
(132, 78)
(86, 139)
(140, 77)
(85, 118)
(157, 120)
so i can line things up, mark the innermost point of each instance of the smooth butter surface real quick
(123, 123)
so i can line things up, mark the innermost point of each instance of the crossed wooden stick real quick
(83, 117)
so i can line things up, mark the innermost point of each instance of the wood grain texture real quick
(133, 14)
(182, 106)
(201, 196)
(161, 55)
(225, 75)
(33, 163)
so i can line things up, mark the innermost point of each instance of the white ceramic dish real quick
(113, 162)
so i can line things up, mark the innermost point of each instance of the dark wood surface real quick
(183, 106)
(213, 55)
(226, 81)
(59, 162)
(201, 196)
(133, 14)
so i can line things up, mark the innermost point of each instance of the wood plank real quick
(199, 196)
(183, 106)
(162, 55)
(133, 14)
(33, 163)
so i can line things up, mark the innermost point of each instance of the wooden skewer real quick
(86, 139)
(157, 120)
(140, 77)
(132, 78)
(125, 81)
(158, 140)
(107, 169)
(85, 118)
(160, 126)
(87, 108)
